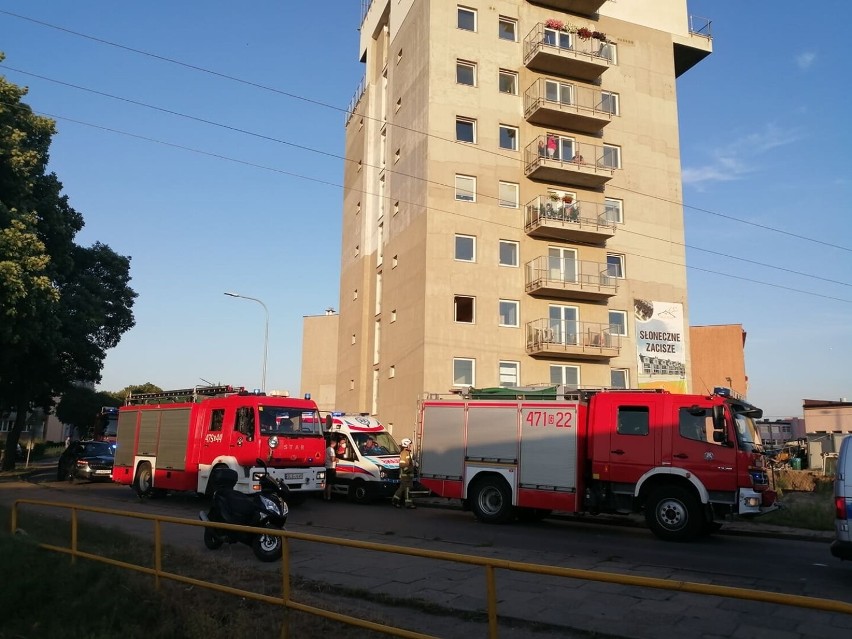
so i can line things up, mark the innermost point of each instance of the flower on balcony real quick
(554, 197)
(597, 35)
(567, 199)
(552, 23)
(584, 33)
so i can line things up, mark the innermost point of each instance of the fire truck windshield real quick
(280, 420)
(748, 436)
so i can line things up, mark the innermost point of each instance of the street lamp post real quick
(265, 334)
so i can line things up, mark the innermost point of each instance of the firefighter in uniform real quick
(406, 476)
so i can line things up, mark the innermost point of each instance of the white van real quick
(367, 457)
(842, 545)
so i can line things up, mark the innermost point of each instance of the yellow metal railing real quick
(490, 565)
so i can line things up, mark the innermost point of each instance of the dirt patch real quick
(785, 479)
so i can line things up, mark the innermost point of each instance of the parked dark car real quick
(89, 460)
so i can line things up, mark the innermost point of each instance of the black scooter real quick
(266, 509)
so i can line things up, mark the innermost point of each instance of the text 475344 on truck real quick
(686, 461)
(173, 440)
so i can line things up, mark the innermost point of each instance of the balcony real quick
(691, 49)
(560, 53)
(581, 7)
(562, 105)
(567, 339)
(562, 160)
(575, 221)
(567, 278)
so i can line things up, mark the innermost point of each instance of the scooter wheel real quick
(268, 547)
(211, 539)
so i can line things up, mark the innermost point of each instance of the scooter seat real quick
(236, 507)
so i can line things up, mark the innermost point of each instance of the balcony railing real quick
(571, 340)
(691, 49)
(568, 278)
(566, 54)
(587, 7)
(568, 106)
(576, 220)
(563, 160)
(356, 99)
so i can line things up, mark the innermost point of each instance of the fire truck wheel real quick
(267, 547)
(491, 500)
(359, 492)
(143, 484)
(674, 514)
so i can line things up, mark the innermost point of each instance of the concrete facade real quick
(463, 262)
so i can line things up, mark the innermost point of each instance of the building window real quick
(508, 29)
(351, 384)
(508, 253)
(396, 207)
(609, 51)
(508, 137)
(463, 309)
(467, 19)
(466, 73)
(618, 378)
(510, 374)
(613, 210)
(618, 322)
(466, 188)
(508, 82)
(557, 38)
(557, 147)
(508, 195)
(464, 371)
(353, 338)
(609, 102)
(395, 261)
(355, 294)
(611, 157)
(393, 316)
(559, 92)
(615, 265)
(398, 105)
(509, 313)
(396, 155)
(465, 130)
(465, 248)
(392, 372)
(565, 375)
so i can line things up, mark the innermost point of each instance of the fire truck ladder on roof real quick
(193, 395)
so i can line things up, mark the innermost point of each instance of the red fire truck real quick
(687, 461)
(172, 440)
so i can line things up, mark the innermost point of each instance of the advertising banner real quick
(661, 345)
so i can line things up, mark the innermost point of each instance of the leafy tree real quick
(62, 306)
(147, 387)
(79, 407)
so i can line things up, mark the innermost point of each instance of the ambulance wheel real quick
(491, 500)
(268, 547)
(359, 492)
(673, 513)
(144, 482)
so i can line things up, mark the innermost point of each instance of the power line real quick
(479, 219)
(378, 167)
(294, 96)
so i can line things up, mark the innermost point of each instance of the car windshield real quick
(281, 420)
(748, 436)
(375, 443)
(98, 449)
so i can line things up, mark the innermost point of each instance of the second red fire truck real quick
(686, 461)
(173, 440)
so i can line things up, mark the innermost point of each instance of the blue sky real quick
(249, 201)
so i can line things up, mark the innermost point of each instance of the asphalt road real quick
(786, 565)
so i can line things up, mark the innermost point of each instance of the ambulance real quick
(367, 457)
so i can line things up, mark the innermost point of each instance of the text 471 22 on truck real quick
(686, 461)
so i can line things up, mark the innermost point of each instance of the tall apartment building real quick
(511, 208)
